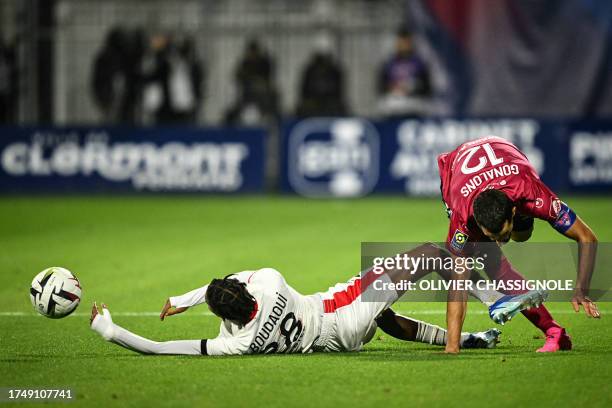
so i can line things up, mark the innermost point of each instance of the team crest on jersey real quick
(459, 240)
(539, 202)
(555, 207)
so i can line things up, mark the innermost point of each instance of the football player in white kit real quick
(261, 313)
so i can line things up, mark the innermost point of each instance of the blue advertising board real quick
(589, 153)
(346, 157)
(80, 159)
(321, 157)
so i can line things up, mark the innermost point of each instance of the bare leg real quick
(397, 326)
(405, 328)
(433, 252)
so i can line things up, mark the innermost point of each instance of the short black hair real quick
(229, 299)
(492, 208)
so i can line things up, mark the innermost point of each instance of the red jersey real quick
(490, 162)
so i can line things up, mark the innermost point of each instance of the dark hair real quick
(229, 299)
(492, 208)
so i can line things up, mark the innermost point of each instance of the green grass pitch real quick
(133, 252)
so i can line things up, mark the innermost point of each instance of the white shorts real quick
(348, 321)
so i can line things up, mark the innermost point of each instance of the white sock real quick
(103, 325)
(432, 334)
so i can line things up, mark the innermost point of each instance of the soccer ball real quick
(55, 292)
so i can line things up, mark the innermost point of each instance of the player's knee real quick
(385, 317)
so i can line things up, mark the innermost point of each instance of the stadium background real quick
(145, 192)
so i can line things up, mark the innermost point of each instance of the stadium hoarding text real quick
(344, 157)
(422, 275)
(131, 159)
(321, 157)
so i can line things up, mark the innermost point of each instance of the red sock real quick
(538, 316)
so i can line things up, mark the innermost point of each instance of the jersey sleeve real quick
(227, 343)
(458, 237)
(540, 202)
(191, 298)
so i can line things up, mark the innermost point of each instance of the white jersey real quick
(288, 322)
(285, 320)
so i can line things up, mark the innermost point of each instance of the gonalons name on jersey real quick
(488, 175)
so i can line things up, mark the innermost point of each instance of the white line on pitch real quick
(147, 314)
(122, 314)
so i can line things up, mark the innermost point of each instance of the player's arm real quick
(178, 304)
(456, 304)
(456, 307)
(225, 346)
(580, 232)
(565, 221)
(102, 323)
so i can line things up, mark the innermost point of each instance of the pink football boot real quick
(556, 339)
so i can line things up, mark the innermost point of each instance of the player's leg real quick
(433, 252)
(406, 328)
(102, 323)
(357, 304)
(502, 307)
(485, 296)
(556, 337)
(356, 321)
(398, 326)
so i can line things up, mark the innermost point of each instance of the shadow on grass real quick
(372, 353)
(369, 354)
(29, 359)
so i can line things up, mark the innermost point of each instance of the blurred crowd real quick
(141, 79)
(8, 83)
(138, 78)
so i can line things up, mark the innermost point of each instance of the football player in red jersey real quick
(492, 194)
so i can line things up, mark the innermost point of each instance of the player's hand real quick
(169, 310)
(94, 313)
(451, 350)
(590, 308)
